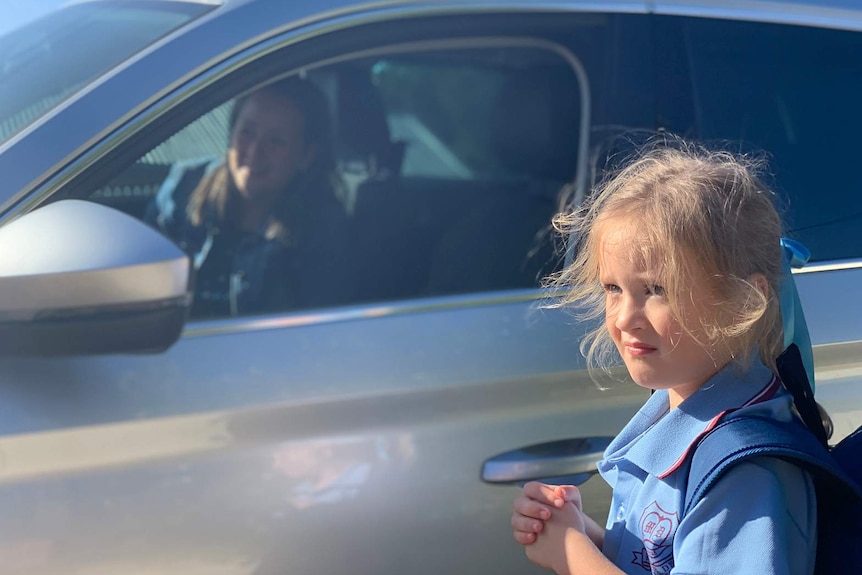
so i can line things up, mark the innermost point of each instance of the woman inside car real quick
(262, 225)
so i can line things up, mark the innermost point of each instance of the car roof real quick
(844, 14)
(649, 5)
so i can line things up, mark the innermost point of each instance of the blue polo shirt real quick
(760, 517)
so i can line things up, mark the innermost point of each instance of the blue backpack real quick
(835, 470)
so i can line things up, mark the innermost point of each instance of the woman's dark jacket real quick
(241, 272)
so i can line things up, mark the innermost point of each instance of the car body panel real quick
(327, 441)
(255, 464)
(830, 300)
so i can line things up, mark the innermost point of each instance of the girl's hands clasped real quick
(544, 517)
(534, 506)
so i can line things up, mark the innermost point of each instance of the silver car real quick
(383, 431)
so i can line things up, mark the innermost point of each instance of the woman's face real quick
(267, 146)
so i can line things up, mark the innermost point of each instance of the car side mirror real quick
(77, 277)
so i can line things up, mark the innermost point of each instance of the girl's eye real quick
(611, 288)
(655, 289)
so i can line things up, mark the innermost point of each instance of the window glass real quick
(440, 109)
(205, 138)
(202, 141)
(793, 92)
(469, 152)
(369, 180)
(50, 59)
(407, 174)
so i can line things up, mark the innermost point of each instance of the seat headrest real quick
(363, 132)
(536, 122)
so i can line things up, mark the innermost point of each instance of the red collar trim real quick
(764, 394)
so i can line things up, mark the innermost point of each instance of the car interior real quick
(424, 234)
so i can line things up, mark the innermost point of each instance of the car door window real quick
(446, 162)
(446, 168)
(794, 92)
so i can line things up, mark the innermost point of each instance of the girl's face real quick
(657, 351)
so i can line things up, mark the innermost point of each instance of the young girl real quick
(680, 253)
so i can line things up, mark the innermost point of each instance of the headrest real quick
(536, 122)
(363, 132)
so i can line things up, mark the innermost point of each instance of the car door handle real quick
(567, 461)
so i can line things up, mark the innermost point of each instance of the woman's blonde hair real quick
(699, 213)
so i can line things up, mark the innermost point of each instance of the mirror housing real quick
(78, 277)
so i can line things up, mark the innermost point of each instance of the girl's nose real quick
(629, 314)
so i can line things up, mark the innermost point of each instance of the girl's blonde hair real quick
(699, 213)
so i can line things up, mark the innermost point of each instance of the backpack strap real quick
(741, 438)
(794, 376)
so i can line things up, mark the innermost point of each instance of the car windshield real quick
(44, 63)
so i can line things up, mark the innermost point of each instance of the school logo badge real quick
(657, 528)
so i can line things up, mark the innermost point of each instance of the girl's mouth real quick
(639, 349)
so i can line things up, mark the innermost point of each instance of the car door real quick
(788, 94)
(384, 433)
